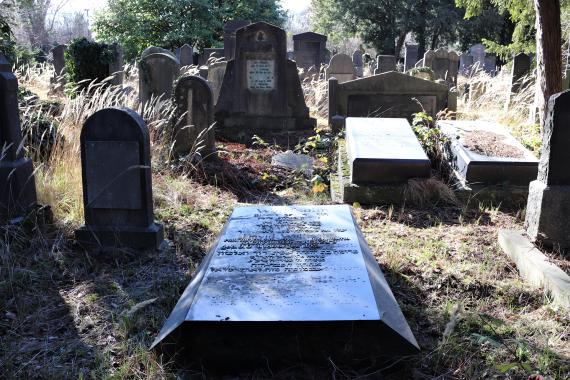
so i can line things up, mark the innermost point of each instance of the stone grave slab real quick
(384, 150)
(287, 284)
(485, 153)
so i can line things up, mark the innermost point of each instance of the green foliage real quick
(7, 45)
(430, 136)
(138, 24)
(86, 61)
(426, 70)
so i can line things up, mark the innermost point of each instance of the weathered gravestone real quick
(358, 62)
(341, 67)
(385, 63)
(485, 153)
(410, 56)
(209, 53)
(157, 73)
(230, 29)
(215, 74)
(195, 116)
(521, 68)
(390, 94)
(287, 284)
(116, 65)
(548, 210)
(58, 60)
(309, 49)
(261, 90)
(117, 184)
(477, 51)
(154, 50)
(445, 64)
(186, 56)
(17, 183)
(465, 64)
(490, 64)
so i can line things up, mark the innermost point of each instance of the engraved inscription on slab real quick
(260, 74)
(113, 175)
(286, 263)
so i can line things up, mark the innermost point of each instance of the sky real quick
(292, 5)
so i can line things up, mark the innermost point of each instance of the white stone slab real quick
(260, 74)
(285, 263)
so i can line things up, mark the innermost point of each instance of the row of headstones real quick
(476, 60)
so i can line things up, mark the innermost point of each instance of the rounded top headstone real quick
(341, 63)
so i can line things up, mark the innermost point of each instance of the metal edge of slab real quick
(534, 266)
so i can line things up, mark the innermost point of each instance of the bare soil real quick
(490, 144)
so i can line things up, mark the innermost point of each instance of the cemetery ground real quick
(70, 314)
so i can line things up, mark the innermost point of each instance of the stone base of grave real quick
(344, 191)
(242, 128)
(18, 189)
(548, 215)
(136, 238)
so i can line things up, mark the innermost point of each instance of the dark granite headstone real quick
(230, 29)
(410, 57)
(287, 284)
(490, 64)
(465, 64)
(382, 151)
(548, 209)
(58, 59)
(261, 90)
(390, 94)
(157, 73)
(117, 185)
(521, 68)
(186, 55)
(358, 62)
(385, 63)
(17, 183)
(341, 67)
(478, 167)
(309, 49)
(195, 116)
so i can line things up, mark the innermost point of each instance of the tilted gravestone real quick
(309, 50)
(410, 56)
(341, 67)
(390, 94)
(195, 116)
(445, 64)
(117, 183)
(261, 90)
(358, 62)
(186, 55)
(17, 183)
(287, 283)
(157, 73)
(216, 72)
(548, 209)
(385, 63)
(230, 29)
(521, 68)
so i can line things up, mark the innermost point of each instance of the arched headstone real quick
(154, 50)
(17, 184)
(117, 182)
(195, 116)
(157, 73)
(341, 67)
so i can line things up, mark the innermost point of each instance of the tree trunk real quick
(399, 43)
(548, 52)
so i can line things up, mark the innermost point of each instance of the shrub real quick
(86, 61)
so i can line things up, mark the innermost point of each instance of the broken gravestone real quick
(298, 162)
(117, 184)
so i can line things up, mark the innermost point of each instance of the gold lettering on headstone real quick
(260, 74)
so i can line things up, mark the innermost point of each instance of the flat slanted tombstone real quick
(195, 116)
(117, 185)
(485, 153)
(157, 73)
(385, 63)
(261, 91)
(548, 210)
(17, 183)
(382, 151)
(287, 284)
(342, 68)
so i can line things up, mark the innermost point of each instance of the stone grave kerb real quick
(203, 101)
(17, 184)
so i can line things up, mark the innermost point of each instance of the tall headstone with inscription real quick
(195, 116)
(261, 91)
(411, 56)
(230, 29)
(309, 50)
(548, 209)
(117, 185)
(17, 183)
(341, 67)
(157, 73)
(385, 63)
(186, 56)
(287, 283)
